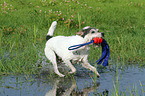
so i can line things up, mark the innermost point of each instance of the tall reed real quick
(117, 80)
(79, 20)
(142, 88)
(1, 42)
(34, 35)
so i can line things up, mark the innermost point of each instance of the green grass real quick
(25, 23)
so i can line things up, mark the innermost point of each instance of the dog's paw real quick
(61, 75)
(96, 72)
(72, 72)
(98, 75)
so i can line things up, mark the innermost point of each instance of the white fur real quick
(59, 45)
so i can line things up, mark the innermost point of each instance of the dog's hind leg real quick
(68, 63)
(85, 64)
(52, 57)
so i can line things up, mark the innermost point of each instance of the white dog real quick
(58, 47)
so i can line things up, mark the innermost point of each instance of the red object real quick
(98, 40)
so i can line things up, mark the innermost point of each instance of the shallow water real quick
(81, 84)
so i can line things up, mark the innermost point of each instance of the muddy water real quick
(81, 84)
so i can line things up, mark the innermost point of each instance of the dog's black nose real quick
(102, 34)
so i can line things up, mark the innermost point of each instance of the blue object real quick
(105, 54)
(105, 51)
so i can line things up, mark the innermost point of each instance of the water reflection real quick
(68, 88)
(60, 90)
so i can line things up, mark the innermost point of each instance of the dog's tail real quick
(51, 30)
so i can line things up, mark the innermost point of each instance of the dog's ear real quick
(80, 33)
(83, 31)
(86, 27)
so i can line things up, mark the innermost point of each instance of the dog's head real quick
(89, 33)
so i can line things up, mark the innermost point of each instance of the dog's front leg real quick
(86, 64)
(68, 63)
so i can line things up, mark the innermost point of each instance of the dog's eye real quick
(93, 32)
